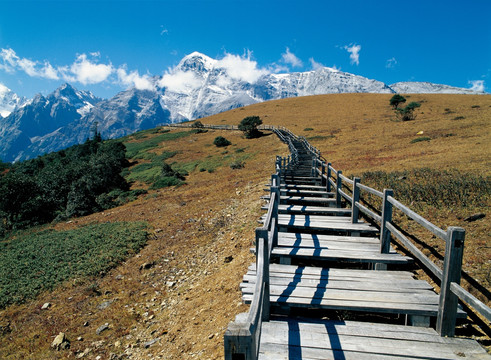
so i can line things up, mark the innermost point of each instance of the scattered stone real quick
(80, 338)
(228, 259)
(105, 304)
(82, 354)
(46, 306)
(117, 344)
(102, 328)
(170, 284)
(146, 266)
(86, 323)
(150, 343)
(475, 217)
(119, 277)
(60, 342)
(211, 336)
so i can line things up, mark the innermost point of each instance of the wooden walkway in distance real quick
(324, 262)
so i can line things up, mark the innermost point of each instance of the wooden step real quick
(288, 338)
(347, 289)
(310, 210)
(322, 223)
(335, 248)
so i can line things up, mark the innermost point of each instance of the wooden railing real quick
(241, 340)
(449, 276)
(242, 337)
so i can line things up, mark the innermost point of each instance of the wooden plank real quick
(321, 238)
(355, 305)
(334, 224)
(309, 210)
(321, 293)
(297, 340)
(317, 271)
(359, 256)
(407, 286)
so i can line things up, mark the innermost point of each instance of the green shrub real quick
(249, 126)
(166, 181)
(237, 165)
(422, 138)
(34, 262)
(396, 100)
(308, 129)
(220, 141)
(407, 113)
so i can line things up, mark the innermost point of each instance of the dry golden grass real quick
(191, 293)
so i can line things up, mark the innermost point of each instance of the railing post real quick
(314, 160)
(452, 268)
(339, 185)
(354, 200)
(323, 171)
(328, 189)
(386, 217)
(262, 235)
(276, 191)
(384, 232)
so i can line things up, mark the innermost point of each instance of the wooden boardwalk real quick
(322, 261)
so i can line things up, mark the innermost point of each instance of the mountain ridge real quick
(198, 86)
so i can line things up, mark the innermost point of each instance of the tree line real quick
(73, 182)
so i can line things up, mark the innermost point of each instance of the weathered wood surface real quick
(320, 223)
(335, 247)
(310, 220)
(286, 199)
(310, 210)
(303, 339)
(394, 292)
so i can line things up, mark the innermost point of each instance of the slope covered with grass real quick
(174, 299)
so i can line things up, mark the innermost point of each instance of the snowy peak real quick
(415, 87)
(9, 101)
(196, 62)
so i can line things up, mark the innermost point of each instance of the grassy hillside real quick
(174, 299)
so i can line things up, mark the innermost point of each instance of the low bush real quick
(220, 141)
(34, 262)
(419, 139)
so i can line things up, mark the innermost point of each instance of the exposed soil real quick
(178, 305)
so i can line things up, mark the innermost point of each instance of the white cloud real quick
(87, 72)
(241, 68)
(180, 81)
(391, 63)
(315, 65)
(276, 68)
(477, 85)
(163, 30)
(9, 60)
(134, 79)
(354, 53)
(291, 59)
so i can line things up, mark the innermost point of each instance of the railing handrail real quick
(243, 335)
(336, 180)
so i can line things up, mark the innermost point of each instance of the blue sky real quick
(107, 46)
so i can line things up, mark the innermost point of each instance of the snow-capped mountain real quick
(414, 87)
(40, 116)
(198, 86)
(9, 101)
